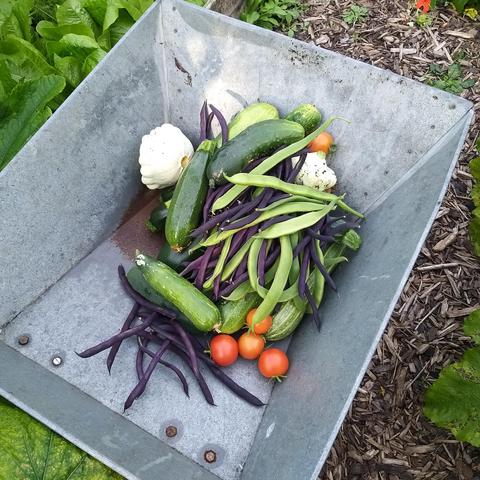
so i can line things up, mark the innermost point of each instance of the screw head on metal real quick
(57, 361)
(23, 339)
(210, 456)
(171, 431)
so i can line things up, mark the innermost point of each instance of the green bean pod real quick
(252, 263)
(278, 283)
(220, 263)
(319, 278)
(240, 292)
(286, 209)
(271, 162)
(236, 259)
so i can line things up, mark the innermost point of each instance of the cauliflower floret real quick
(315, 172)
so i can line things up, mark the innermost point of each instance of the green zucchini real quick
(139, 284)
(234, 314)
(254, 113)
(177, 260)
(256, 140)
(185, 209)
(307, 115)
(190, 301)
(158, 216)
(285, 321)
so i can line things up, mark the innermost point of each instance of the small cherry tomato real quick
(261, 327)
(223, 350)
(250, 346)
(273, 363)
(322, 143)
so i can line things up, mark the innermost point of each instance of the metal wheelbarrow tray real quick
(66, 192)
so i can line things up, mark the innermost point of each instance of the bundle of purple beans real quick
(157, 331)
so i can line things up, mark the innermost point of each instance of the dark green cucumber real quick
(158, 216)
(253, 142)
(139, 284)
(185, 210)
(234, 314)
(306, 115)
(177, 260)
(198, 308)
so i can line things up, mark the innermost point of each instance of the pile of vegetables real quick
(253, 233)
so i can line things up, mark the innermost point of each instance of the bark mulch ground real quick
(385, 435)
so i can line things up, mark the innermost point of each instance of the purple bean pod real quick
(202, 270)
(127, 324)
(209, 125)
(300, 246)
(242, 222)
(118, 337)
(222, 122)
(297, 168)
(315, 313)
(215, 220)
(322, 269)
(171, 366)
(262, 257)
(302, 277)
(142, 384)
(188, 345)
(230, 287)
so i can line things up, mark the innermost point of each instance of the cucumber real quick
(185, 209)
(158, 216)
(139, 284)
(177, 260)
(190, 301)
(285, 321)
(235, 313)
(306, 115)
(254, 113)
(256, 140)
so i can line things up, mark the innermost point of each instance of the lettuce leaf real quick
(452, 402)
(28, 101)
(474, 227)
(30, 450)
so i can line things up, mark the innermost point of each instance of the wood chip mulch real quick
(385, 435)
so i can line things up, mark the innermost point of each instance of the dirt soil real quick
(385, 435)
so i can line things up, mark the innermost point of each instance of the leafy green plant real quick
(355, 14)
(273, 14)
(28, 450)
(41, 66)
(449, 79)
(474, 227)
(453, 401)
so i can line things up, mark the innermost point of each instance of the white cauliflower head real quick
(315, 172)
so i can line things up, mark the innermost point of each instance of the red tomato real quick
(273, 363)
(250, 346)
(223, 350)
(322, 143)
(261, 327)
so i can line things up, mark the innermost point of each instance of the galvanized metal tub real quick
(66, 192)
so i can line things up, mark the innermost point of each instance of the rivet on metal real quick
(171, 431)
(57, 361)
(210, 456)
(23, 339)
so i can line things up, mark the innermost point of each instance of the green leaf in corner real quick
(29, 102)
(31, 451)
(17, 21)
(475, 168)
(73, 12)
(474, 231)
(471, 327)
(452, 401)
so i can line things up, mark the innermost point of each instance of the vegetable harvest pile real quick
(253, 233)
